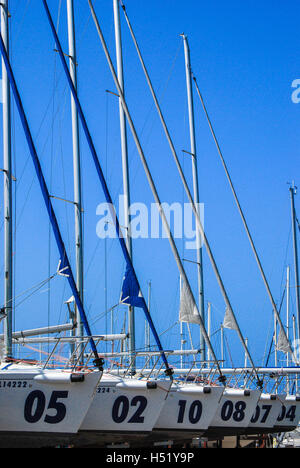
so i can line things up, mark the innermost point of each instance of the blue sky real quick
(245, 57)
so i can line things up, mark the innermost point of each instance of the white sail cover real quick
(188, 311)
(229, 321)
(282, 343)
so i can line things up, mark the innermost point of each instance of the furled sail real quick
(188, 311)
(282, 343)
(229, 321)
(131, 294)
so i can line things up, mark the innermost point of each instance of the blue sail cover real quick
(131, 294)
(130, 290)
(64, 261)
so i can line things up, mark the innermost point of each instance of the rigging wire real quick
(250, 238)
(151, 109)
(33, 289)
(12, 39)
(20, 24)
(134, 151)
(229, 352)
(24, 168)
(144, 126)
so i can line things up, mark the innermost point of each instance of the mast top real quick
(293, 187)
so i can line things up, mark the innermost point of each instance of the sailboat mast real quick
(64, 263)
(282, 331)
(149, 176)
(297, 352)
(147, 328)
(195, 184)
(76, 164)
(152, 186)
(130, 269)
(182, 335)
(8, 278)
(287, 316)
(275, 341)
(124, 149)
(163, 216)
(293, 191)
(222, 346)
(209, 330)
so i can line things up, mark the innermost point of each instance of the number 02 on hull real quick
(123, 410)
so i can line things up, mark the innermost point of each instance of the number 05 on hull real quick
(43, 407)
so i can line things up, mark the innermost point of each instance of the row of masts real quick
(193, 152)
(7, 164)
(198, 221)
(124, 114)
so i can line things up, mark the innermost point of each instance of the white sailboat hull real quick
(123, 410)
(188, 412)
(265, 416)
(289, 416)
(234, 412)
(43, 407)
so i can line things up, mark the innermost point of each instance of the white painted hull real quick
(188, 412)
(43, 407)
(289, 416)
(123, 410)
(265, 416)
(234, 412)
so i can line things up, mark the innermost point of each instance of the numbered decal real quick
(121, 408)
(13, 384)
(35, 405)
(264, 411)
(287, 413)
(103, 389)
(194, 414)
(236, 412)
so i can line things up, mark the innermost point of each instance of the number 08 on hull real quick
(234, 412)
